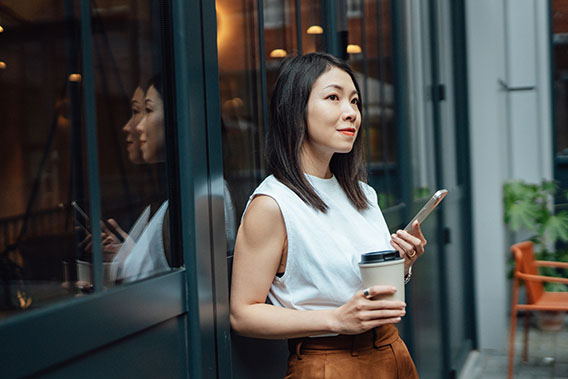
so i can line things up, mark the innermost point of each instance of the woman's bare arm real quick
(258, 252)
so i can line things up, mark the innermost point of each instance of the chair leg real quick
(512, 342)
(526, 337)
(514, 300)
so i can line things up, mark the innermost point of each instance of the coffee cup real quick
(383, 268)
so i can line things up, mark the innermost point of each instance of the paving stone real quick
(548, 357)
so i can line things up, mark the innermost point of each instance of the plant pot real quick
(551, 321)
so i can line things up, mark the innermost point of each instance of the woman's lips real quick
(348, 132)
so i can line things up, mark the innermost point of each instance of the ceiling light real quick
(75, 78)
(315, 29)
(2, 65)
(1, 29)
(278, 53)
(354, 49)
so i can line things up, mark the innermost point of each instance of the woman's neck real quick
(315, 164)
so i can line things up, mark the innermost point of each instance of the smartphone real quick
(427, 208)
(83, 221)
(81, 217)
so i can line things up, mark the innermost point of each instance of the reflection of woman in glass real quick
(111, 241)
(142, 254)
(151, 128)
(132, 137)
(305, 228)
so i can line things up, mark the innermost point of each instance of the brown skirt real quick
(378, 353)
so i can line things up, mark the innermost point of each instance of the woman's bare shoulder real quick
(263, 219)
(263, 209)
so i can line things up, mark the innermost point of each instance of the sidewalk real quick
(548, 357)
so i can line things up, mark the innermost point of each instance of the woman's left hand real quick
(409, 245)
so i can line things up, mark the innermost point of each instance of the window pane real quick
(312, 26)
(43, 155)
(369, 52)
(130, 56)
(560, 67)
(241, 99)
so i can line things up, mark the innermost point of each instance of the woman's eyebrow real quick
(340, 88)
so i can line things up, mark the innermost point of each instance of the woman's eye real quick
(135, 111)
(333, 97)
(355, 101)
(148, 110)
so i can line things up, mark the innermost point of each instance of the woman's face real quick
(332, 114)
(136, 114)
(151, 128)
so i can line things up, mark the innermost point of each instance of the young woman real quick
(305, 228)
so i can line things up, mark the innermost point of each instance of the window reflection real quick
(42, 160)
(45, 241)
(369, 51)
(130, 85)
(240, 95)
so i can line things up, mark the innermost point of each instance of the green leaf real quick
(557, 227)
(522, 214)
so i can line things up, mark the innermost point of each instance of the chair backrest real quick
(525, 263)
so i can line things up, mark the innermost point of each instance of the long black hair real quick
(288, 129)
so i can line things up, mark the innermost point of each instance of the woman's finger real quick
(417, 231)
(117, 227)
(404, 246)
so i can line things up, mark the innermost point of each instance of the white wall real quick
(510, 136)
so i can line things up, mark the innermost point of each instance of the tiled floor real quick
(548, 357)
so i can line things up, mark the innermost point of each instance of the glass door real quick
(439, 119)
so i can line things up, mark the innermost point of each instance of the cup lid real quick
(380, 256)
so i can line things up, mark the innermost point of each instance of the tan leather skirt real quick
(378, 353)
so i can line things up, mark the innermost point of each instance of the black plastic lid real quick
(380, 256)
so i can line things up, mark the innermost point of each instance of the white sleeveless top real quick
(142, 253)
(323, 248)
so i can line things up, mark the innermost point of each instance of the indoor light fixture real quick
(353, 49)
(278, 53)
(1, 29)
(2, 65)
(75, 78)
(315, 29)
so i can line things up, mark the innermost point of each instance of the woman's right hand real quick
(361, 313)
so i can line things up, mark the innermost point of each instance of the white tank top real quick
(323, 248)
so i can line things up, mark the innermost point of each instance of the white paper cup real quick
(383, 268)
(85, 272)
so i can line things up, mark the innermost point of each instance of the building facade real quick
(133, 134)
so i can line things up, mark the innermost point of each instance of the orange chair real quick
(526, 269)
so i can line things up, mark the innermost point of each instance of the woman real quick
(305, 228)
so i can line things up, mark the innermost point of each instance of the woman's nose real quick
(140, 126)
(126, 127)
(350, 111)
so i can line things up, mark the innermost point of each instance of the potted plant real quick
(537, 211)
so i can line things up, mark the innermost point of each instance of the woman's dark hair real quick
(156, 82)
(288, 129)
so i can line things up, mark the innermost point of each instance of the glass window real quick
(368, 48)
(312, 26)
(560, 86)
(43, 156)
(243, 73)
(130, 65)
(45, 244)
(241, 99)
